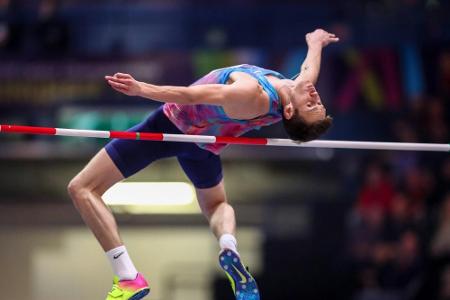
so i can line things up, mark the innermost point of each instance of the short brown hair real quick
(298, 130)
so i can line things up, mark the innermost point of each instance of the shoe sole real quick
(246, 289)
(140, 294)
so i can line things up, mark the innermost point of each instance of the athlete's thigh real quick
(202, 167)
(99, 174)
(131, 156)
(122, 158)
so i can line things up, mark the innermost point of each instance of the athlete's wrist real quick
(317, 46)
(140, 87)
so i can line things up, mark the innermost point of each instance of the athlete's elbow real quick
(187, 100)
(191, 100)
(183, 95)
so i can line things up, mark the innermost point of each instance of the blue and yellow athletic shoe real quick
(243, 284)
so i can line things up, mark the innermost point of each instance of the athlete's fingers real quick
(125, 91)
(122, 75)
(119, 80)
(115, 78)
(120, 90)
(334, 40)
(117, 85)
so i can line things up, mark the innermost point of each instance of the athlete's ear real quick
(288, 111)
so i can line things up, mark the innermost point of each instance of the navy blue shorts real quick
(203, 167)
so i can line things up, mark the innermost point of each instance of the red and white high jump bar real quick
(185, 138)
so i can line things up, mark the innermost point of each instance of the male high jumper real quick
(226, 102)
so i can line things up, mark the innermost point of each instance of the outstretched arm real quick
(216, 94)
(316, 41)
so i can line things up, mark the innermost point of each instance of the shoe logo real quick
(244, 279)
(118, 255)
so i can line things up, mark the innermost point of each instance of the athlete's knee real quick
(77, 190)
(210, 205)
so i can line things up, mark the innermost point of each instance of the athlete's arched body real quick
(228, 101)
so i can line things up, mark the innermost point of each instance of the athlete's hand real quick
(320, 38)
(125, 84)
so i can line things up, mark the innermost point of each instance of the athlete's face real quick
(306, 100)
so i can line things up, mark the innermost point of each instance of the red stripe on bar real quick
(240, 140)
(122, 135)
(29, 129)
(151, 136)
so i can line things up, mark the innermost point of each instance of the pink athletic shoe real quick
(129, 289)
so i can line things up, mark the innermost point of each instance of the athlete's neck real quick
(282, 88)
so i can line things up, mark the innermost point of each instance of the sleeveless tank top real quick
(204, 119)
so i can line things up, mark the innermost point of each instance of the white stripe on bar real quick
(362, 145)
(189, 138)
(83, 133)
(282, 142)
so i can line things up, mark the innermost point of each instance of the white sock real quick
(121, 263)
(228, 241)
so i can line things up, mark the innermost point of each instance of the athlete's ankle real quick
(121, 263)
(228, 241)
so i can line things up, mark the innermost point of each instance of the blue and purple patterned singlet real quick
(204, 119)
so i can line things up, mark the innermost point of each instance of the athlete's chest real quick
(249, 109)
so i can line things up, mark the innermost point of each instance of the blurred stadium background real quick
(313, 224)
